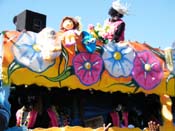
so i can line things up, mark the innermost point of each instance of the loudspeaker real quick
(30, 21)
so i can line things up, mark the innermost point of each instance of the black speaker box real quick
(30, 21)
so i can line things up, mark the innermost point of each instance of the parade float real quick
(87, 66)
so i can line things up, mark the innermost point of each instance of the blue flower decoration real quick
(26, 54)
(118, 59)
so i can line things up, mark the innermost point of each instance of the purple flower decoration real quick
(147, 70)
(88, 67)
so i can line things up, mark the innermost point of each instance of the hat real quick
(122, 9)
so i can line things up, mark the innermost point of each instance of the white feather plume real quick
(120, 7)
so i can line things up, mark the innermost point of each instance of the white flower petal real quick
(117, 70)
(107, 55)
(123, 66)
(27, 56)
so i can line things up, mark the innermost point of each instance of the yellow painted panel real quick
(106, 83)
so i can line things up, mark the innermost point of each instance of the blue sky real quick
(150, 21)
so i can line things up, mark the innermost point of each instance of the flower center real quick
(87, 65)
(147, 67)
(117, 55)
(36, 48)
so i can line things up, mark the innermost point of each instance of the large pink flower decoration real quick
(147, 70)
(88, 67)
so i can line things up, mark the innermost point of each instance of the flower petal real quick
(27, 56)
(88, 76)
(121, 66)
(147, 79)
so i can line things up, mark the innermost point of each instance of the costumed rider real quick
(117, 25)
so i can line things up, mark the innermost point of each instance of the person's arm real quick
(105, 128)
(118, 32)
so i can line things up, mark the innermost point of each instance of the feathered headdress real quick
(119, 7)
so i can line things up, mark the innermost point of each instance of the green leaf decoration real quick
(99, 49)
(162, 56)
(13, 67)
(156, 52)
(65, 74)
(168, 79)
(3, 32)
(65, 55)
(132, 84)
(136, 89)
